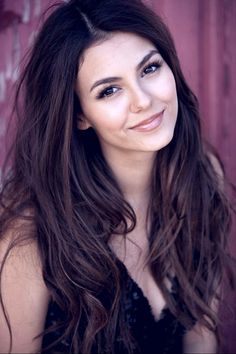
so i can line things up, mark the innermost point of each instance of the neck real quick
(133, 174)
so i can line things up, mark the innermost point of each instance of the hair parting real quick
(60, 175)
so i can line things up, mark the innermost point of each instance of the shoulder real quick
(24, 293)
(18, 246)
(19, 249)
(200, 340)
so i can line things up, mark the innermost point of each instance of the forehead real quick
(119, 50)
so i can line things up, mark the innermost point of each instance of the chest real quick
(132, 252)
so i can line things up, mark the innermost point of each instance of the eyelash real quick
(156, 63)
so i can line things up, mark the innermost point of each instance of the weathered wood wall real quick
(205, 37)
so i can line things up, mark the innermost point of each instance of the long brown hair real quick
(59, 174)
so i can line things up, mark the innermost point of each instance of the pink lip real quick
(150, 123)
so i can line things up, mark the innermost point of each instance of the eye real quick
(151, 68)
(107, 92)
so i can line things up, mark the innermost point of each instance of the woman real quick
(113, 218)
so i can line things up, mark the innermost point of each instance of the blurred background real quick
(204, 32)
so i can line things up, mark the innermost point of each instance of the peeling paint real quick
(2, 87)
(32, 38)
(37, 8)
(3, 127)
(8, 72)
(0, 179)
(26, 11)
(16, 52)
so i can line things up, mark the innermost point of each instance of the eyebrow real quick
(109, 80)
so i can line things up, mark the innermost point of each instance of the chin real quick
(161, 141)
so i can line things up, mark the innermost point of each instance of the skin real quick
(112, 109)
(135, 96)
(24, 293)
(144, 86)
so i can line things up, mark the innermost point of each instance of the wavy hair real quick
(59, 174)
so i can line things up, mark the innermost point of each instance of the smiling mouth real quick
(150, 123)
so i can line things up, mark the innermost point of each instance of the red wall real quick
(205, 36)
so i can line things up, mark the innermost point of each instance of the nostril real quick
(141, 101)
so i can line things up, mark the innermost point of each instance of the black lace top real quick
(152, 337)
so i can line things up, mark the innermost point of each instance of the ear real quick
(82, 122)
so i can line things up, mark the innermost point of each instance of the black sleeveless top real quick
(162, 336)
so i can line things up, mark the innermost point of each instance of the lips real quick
(150, 123)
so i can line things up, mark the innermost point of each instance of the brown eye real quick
(151, 68)
(107, 92)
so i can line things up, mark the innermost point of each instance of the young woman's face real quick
(128, 95)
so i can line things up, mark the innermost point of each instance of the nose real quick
(140, 100)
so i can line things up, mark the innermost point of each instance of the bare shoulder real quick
(24, 294)
(200, 340)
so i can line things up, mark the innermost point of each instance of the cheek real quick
(105, 114)
(166, 88)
